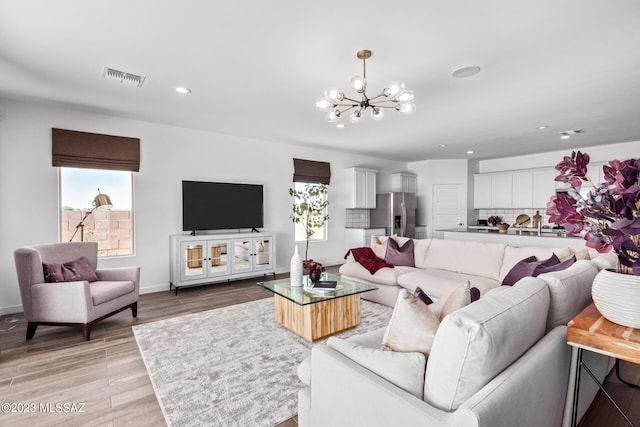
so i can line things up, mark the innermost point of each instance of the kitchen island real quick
(516, 237)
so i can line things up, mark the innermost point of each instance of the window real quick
(314, 195)
(111, 228)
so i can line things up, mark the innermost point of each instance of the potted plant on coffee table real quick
(608, 217)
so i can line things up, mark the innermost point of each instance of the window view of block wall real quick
(112, 229)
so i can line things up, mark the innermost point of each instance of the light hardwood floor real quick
(108, 375)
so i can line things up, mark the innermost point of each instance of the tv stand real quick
(213, 258)
(255, 230)
(193, 233)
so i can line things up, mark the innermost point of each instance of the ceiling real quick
(255, 68)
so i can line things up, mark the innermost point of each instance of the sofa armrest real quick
(121, 273)
(532, 390)
(64, 302)
(344, 393)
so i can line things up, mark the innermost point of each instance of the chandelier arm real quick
(352, 100)
(385, 106)
(378, 96)
(347, 109)
(388, 100)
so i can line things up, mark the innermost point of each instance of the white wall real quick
(436, 172)
(29, 186)
(600, 153)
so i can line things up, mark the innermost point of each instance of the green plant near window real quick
(310, 209)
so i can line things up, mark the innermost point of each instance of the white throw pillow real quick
(457, 299)
(412, 326)
(405, 370)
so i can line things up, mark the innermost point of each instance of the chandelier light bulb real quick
(358, 84)
(394, 89)
(407, 108)
(405, 96)
(335, 95)
(323, 104)
(333, 116)
(356, 115)
(377, 113)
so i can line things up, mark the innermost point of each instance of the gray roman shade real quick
(311, 171)
(75, 149)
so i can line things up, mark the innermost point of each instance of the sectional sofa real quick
(500, 361)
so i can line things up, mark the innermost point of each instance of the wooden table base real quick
(318, 320)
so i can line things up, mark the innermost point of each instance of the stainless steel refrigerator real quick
(396, 212)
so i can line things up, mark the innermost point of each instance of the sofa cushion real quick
(412, 325)
(420, 249)
(570, 291)
(440, 283)
(400, 255)
(405, 370)
(477, 342)
(514, 254)
(102, 291)
(476, 258)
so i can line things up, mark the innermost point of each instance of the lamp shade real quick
(102, 201)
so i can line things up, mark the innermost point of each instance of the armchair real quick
(78, 303)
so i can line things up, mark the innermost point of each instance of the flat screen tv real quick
(219, 205)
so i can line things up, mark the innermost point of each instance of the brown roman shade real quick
(311, 171)
(75, 149)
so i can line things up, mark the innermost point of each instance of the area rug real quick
(232, 366)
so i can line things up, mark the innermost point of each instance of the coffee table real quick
(315, 315)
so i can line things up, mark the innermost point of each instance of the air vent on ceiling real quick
(123, 77)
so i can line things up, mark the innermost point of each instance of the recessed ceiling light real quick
(183, 90)
(566, 134)
(340, 125)
(542, 127)
(464, 72)
(470, 152)
(443, 145)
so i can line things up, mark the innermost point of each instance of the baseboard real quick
(11, 309)
(153, 289)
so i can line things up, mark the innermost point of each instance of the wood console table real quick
(590, 331)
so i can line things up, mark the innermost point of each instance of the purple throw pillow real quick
(422, 296)
(475, 294)
(527, 267)
(397, 255)
(72, 271)
(554, 267)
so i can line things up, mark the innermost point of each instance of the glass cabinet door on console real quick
(203, 259)
(252, 255)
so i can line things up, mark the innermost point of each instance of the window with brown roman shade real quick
(311, 171)
(75, 149)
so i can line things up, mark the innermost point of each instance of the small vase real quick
(295, 272)
(314, 277)
(617, 297)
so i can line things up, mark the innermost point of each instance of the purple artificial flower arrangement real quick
(608, 215)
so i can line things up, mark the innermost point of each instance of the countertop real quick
(365, 228)
(548, 232)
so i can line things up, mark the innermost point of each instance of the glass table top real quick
(305, 294)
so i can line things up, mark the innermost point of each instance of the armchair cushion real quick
(102, 292)
(78, 269)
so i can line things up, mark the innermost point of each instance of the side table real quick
(592, 332)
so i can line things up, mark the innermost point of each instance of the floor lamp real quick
(101, 201)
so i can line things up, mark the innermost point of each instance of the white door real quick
(449, 208)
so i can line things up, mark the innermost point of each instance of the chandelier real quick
(335, 103)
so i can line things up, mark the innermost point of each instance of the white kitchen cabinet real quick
(522, 189)
(544, 187)
(363, 188)
(210, 258)
(482, 191)
(502, 190)
(361, 237)
(405, 182)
